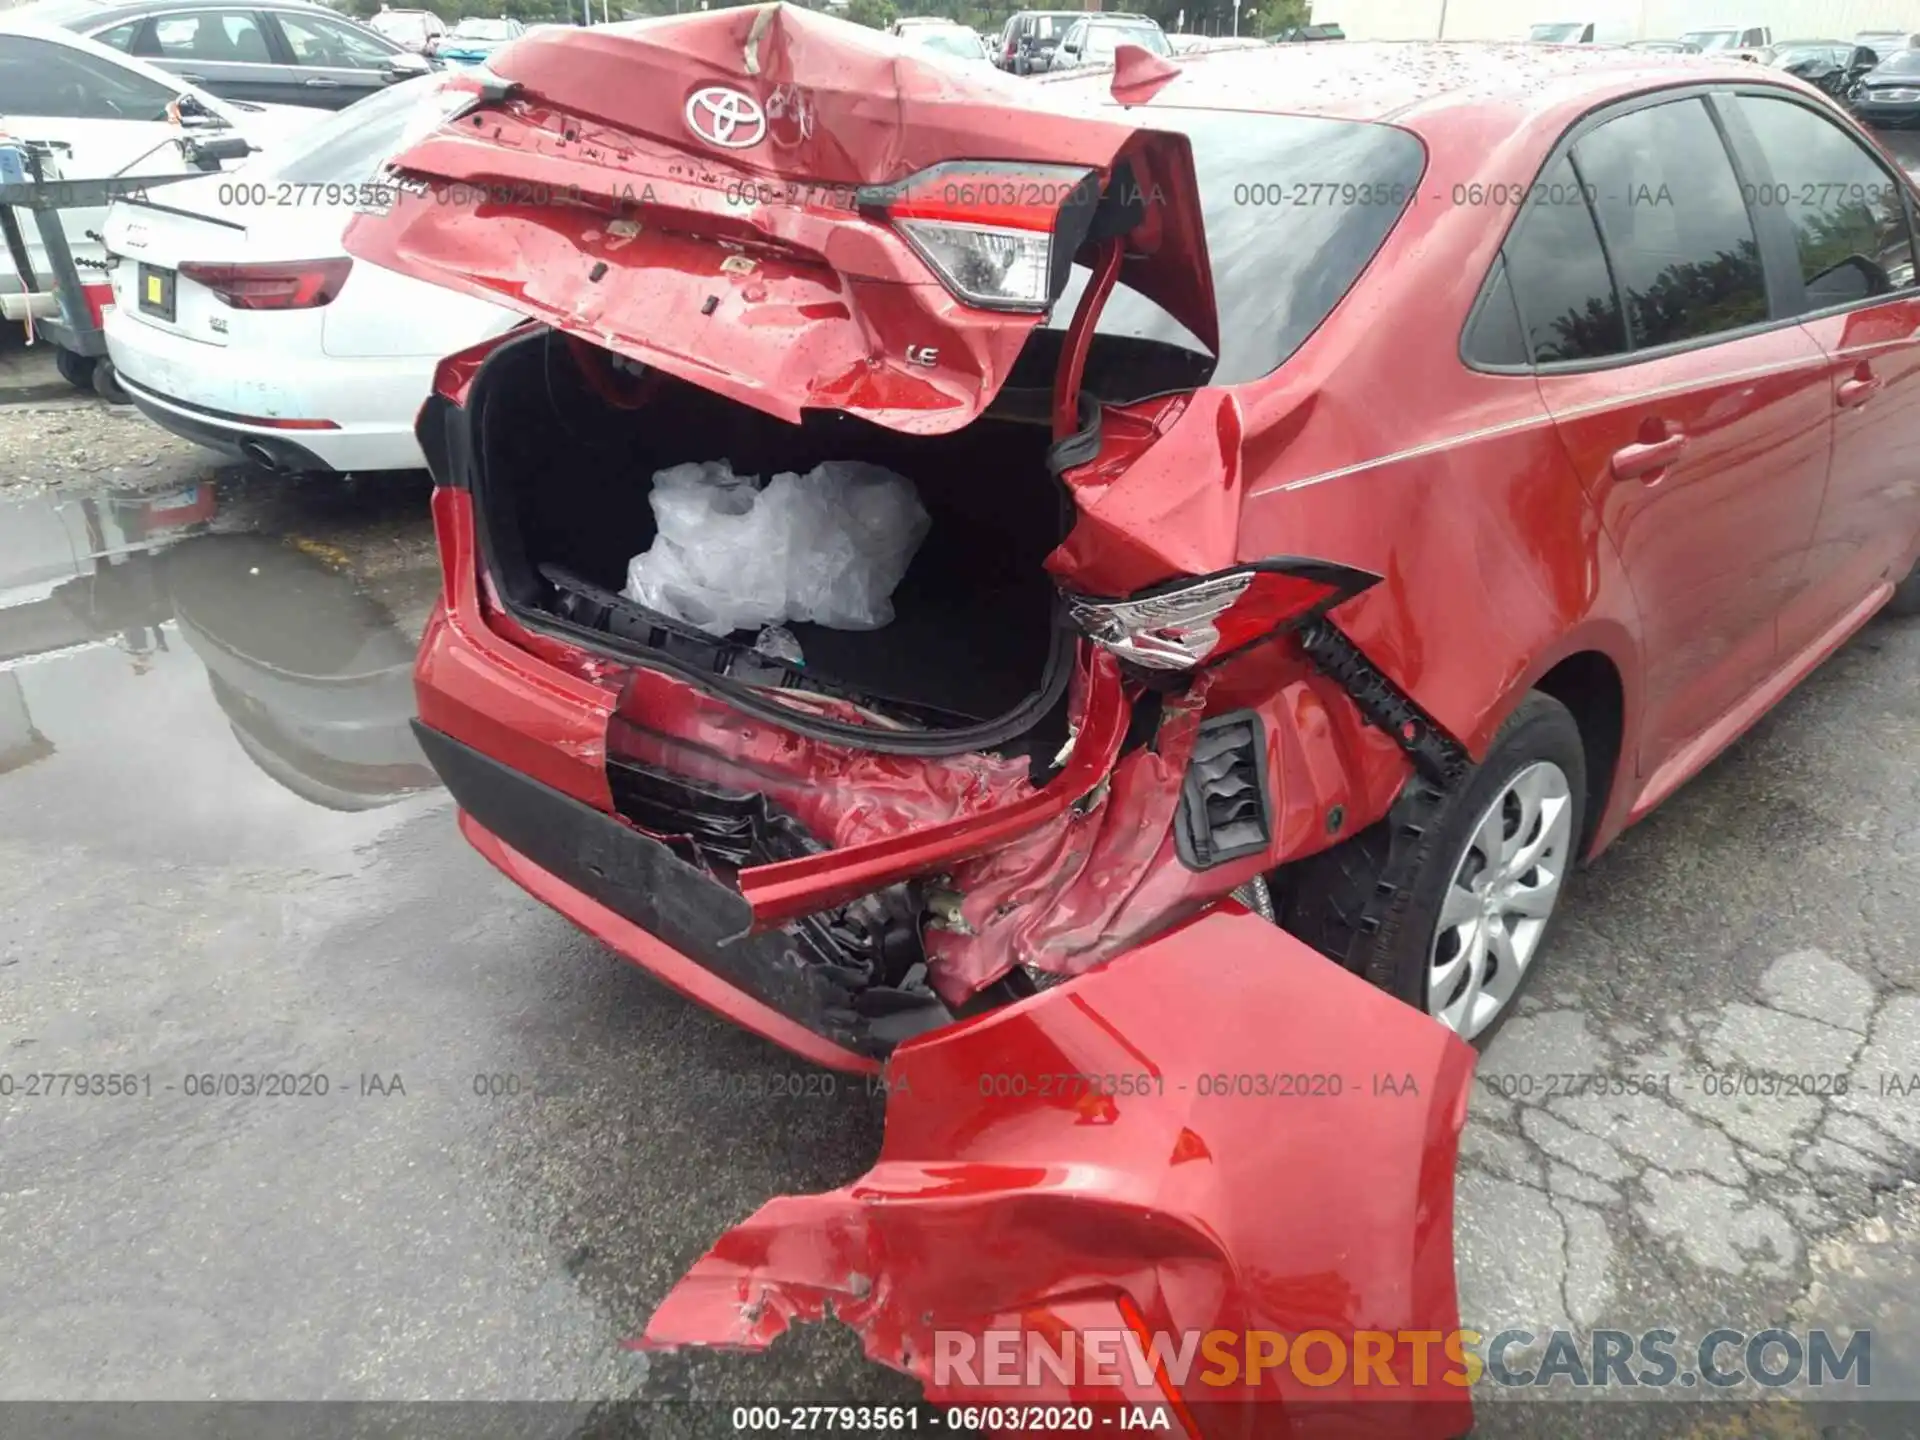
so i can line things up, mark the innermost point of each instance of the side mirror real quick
(191, 114)
(211, 152)
(405, 67)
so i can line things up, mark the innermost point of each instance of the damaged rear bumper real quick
(1217, 1137)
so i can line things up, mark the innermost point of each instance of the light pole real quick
(1441, 34)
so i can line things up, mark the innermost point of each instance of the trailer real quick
(61, 306)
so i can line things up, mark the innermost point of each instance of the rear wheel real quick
(76, 370)
(1465, 915)
(1906, 595)
(107, 385)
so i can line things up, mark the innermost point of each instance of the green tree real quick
(877, 13)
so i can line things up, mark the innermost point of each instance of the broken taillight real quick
(1184, 623)
(999, 234)
(273, 285)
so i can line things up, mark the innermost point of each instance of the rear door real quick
(222, 50)
(1848, 232)
(328, 62)
(1698, 421)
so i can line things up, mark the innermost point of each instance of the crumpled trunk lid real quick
(1219, 1137)
(688, 192)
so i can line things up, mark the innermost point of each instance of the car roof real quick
(87, 14)
(1400, 80)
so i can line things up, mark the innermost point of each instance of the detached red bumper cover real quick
(1217, 1144)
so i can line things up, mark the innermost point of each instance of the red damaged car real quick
(1360, 484)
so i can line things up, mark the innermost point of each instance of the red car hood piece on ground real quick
(586, 199)
(1028, 1184)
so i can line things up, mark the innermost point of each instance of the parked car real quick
(1666, 47)
(104, 114)
(1888, 95)
(1580, 32)
(907, 23)
(239, 322)
(954, 44)
(1835, 66)
(417, 30)
(281, 52)
(1028, 39)
(1306, 33)
(1627, 497)
(1092, 40)
(474, 39)
(1884, 42)
(1730, 37)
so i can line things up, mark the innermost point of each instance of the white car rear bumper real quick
(230, 398)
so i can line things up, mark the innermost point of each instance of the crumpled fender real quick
(1218, 1131)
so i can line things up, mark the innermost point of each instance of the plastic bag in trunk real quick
(828, 547)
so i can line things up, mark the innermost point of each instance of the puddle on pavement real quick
(205, 674)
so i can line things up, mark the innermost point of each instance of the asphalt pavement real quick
(220, 854)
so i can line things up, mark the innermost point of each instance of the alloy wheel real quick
(1501, 894)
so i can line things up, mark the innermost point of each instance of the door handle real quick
(1635, 462)
(1854, 393)
(194, 79)
(317, 83)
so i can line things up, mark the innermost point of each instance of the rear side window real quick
(218, 35)
(1674, 223)
(120, 37)
(1568, 307)
(1848, 216)
(1295, 206)
(42, 78)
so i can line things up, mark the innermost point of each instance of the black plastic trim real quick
(1194, 853)
(1434, 751)
(639, 878)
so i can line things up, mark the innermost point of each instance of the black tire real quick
(1906, 596)
(75, 369)
(107, 385)
(1324, 898)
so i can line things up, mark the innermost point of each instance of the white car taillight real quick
(1184, 623)
(272, 285)
(999, 234)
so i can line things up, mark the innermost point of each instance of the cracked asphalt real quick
(219, 854)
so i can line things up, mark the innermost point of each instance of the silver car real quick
(286, 52)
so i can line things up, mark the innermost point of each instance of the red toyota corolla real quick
(1362, 480)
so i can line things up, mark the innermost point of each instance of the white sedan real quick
(107, 114)
(240, 322)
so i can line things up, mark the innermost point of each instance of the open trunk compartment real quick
(563, 487)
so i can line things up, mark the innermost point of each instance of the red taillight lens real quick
(273, 285)
(999, 234)
(1182, 625)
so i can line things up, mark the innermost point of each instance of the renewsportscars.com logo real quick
(1385, 1361)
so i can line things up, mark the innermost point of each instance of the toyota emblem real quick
(729, 118)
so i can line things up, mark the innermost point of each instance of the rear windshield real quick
(1905, 62)
(1105, 39)
(349, 146)
(1295, 207)
(961, 43)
